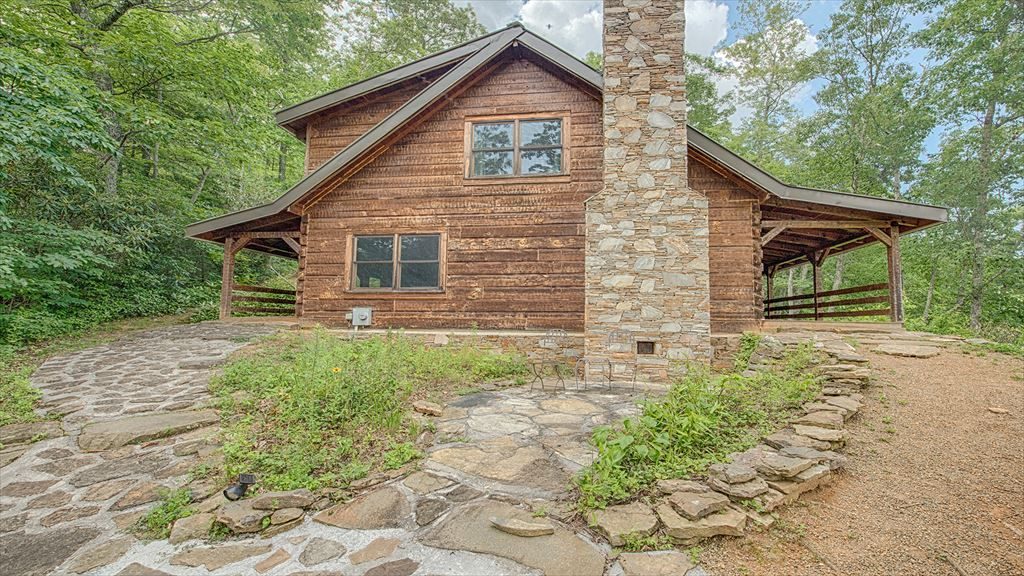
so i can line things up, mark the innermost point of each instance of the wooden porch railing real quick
(793, 307)
(280, 302)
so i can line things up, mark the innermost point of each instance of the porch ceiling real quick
(264, 234)
(838, 231)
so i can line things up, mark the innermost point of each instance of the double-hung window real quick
(516, 147)
(397, 262)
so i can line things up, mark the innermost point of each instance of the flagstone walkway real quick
(135, 422)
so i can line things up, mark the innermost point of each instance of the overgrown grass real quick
(701, 420)
(313, 410)
(748, 344)
(174, 505)
(18, 398)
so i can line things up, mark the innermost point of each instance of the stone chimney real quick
(647, 231)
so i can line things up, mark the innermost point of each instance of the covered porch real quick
(276, 235)
(795, 233)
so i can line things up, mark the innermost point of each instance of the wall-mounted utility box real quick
(362, 316)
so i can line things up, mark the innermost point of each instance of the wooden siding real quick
(735, 255)
(515, 249)
(327, 134)
(514, 255)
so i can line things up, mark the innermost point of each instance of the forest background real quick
(121, 121)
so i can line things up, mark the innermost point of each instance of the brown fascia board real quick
(766, 181)
(367, 141)
(288, 117)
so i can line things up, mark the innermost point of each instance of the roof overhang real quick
(468, 58)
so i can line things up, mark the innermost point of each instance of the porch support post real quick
(227, 277)
(895, 275)
(816, 259)
(770, 287)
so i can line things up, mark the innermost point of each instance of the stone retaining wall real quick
(536, 345)
(753, 484)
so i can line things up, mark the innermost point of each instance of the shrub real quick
(701, 420)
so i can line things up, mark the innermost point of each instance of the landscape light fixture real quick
(237, 490)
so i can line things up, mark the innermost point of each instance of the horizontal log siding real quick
(514, 256)
(329, 133)
(735, 255)
(514, 251)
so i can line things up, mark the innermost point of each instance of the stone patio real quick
(136, 421)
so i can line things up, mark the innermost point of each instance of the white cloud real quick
(494, 14)
(706, 25)
(575, 25)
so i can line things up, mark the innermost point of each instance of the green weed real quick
(400, 454)
(173, 505)
(18, 398)
(637, 543)
(748, 344)
(312, 410)
(701, 420)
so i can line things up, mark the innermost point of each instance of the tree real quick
(770, 64)
(709, 112)
(868, 132)
(387, 33)
(975, 49)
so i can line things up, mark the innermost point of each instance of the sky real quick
(575, 25)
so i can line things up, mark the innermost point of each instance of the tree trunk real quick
(281, 164)
(837, 279)
(155, 157)
(789, 282)
(201, 185)
(931, 290)
(980, 220)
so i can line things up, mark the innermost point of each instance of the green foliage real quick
(312, 410)
(702, 419)
(17, 397)
(401, 454)
(120, 123)
(748, 344)
(173, 505)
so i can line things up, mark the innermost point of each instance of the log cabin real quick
(505, 185)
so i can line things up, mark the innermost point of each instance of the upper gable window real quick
(516, 147)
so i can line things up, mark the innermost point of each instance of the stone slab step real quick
(111, 434)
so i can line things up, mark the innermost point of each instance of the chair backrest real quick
(621, 341)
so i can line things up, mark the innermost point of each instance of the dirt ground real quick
(935, 483)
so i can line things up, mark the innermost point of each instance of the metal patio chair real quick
(555, 340)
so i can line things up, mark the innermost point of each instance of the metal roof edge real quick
(762, 179)
(385, 79)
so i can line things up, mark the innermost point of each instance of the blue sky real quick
(575, 25)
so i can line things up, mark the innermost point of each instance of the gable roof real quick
(469, 58)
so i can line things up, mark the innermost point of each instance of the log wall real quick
(514, 252)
